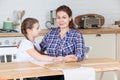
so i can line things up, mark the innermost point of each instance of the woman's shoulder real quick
(75, 31)
(75, 34)
(53, 31)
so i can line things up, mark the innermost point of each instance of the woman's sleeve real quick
(43, 43)
(80, 47)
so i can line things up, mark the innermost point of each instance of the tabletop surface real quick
(13, 70)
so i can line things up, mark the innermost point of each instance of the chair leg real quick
(5, 58)
(0, 59)
(115, 75)
(101, 75)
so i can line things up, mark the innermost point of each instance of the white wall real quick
(39, 9)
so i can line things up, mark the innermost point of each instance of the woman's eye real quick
(58, 17)
(64, 17)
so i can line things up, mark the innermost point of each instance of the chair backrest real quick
(7, 54)
(87, 50)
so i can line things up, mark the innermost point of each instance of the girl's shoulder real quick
(25, 41)
(26, 44)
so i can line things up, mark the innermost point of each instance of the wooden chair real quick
(87, 50)
(114, 75)
(8, 55)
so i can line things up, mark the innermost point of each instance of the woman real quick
(64, 42)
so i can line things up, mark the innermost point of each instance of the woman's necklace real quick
(62, 34)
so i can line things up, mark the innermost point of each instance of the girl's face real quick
(35, 31)
(62, 19)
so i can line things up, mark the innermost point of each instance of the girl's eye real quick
(37, 27)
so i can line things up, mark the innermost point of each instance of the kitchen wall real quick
(39, 9)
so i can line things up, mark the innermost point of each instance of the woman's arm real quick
(43, 43)
(79, 47)
(78, 50)
(68, 58)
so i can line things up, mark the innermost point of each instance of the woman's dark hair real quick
(69, 12)
(27, 24)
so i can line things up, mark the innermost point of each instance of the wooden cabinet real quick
(118, 46)
(103, 45)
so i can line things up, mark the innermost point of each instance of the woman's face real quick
(62, 19)
(35, 31)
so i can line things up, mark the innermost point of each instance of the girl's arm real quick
(38, 56)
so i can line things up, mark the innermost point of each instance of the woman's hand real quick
(18, 44)
(59, 59)
(70, 58)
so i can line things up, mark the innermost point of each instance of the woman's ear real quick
(70, 18)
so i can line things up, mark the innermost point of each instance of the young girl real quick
(29, 50)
